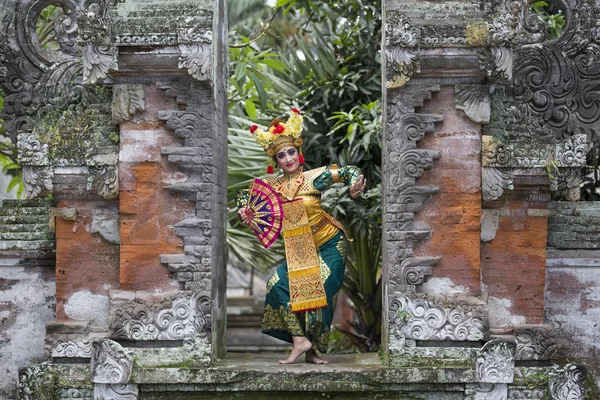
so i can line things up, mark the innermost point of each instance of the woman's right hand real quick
(243, 215)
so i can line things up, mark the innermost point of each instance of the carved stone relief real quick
(75, 394)
(115, 392)
(98, 52)
(475, 101)
(421, 317)
(486, 391)
(110, 363)
(555, 79)
(41, 85)
(127, 100)
(527, 394)
(194, 126)
(34, 384)
(73, 349)
(495, 362)
(402, 57)
(568, 383)
(406, 163)
(185, 317)
(536, 343)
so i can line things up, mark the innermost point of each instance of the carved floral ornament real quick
(401, 43)
(557, 79)
(429, 319)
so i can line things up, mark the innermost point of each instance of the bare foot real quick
(311, 357)
(300, 347)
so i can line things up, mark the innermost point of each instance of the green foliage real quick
(44, 27)
(553, 17)
(8, 158)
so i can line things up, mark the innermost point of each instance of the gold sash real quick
(306, 286)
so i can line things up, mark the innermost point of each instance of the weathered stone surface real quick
(110, 363)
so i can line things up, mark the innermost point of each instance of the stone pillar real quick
(483, 129)
(170, 86)
(124, 126)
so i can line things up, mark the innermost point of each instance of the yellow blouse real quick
(308, 186)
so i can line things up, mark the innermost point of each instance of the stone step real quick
(12, 203)
(22, 228)
(7, 211)
(24, 219)
(26, 236)
(27, 245)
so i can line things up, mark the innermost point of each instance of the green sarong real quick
(279, 321)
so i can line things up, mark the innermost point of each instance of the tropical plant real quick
(552, 16)
(8, 158)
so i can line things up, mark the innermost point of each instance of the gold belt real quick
(323, 222)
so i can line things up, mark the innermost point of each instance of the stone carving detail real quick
(195, 126)
(110, 363)
(37, 180)
(197, 59)
(105, 221)
(186, 317)
(31, 382)
(572, 153)
(536, 344)
(495, 362)
(75, 394)
(99, 55)
(527, 394)
(115, 392)
(31, 151)
(196, 56)
(568, 384)
(498, 64)
(516, 25)
(494, 181)
(405, 163)
(486, 391)
(73, 349)
(127, 100)
(475, 101)
(555, 79)
(494, 153)
(426, 319)
(401, 41)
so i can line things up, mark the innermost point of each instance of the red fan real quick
(265, 212)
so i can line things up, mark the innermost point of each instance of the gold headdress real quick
(280, 133)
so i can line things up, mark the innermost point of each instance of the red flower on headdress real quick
(270, 169)
(296, 111)
(301, 159)
(253, 128)
(278, 129)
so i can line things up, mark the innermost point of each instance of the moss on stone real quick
(477, 34)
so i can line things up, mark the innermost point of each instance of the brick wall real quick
(86, 263)
(148, 212)
(513, 262)
(454, 212)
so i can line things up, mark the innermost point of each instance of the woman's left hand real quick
(358, 187)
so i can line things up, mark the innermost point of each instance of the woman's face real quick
(287, 159)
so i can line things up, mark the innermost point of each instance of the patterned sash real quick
(306, 286)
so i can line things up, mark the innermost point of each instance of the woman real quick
(299, 306)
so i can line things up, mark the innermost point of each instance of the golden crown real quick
(280, 134)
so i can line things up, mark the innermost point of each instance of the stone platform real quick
(258, 376)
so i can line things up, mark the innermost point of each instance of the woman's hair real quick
(276, 122)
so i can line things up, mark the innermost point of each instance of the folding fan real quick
(265, 212)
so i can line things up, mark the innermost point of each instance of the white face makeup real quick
(287, 159)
